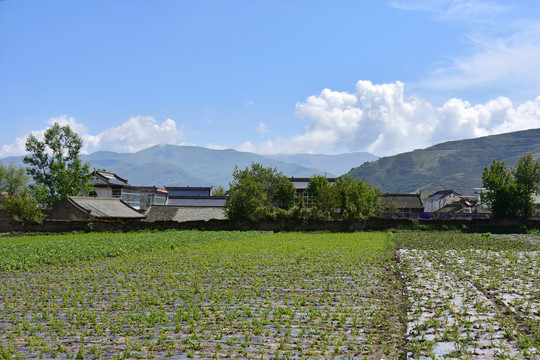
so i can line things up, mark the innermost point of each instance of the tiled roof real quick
(105, 207)
(402, 201)
(183, 213)
(192, 188)
(110, 177)
(442, 193)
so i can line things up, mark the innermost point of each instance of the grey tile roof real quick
(402, 201)
(184, 213)
(442, 193)
(105, 207)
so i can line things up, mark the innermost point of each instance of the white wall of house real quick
(103, 192)
(432, 205)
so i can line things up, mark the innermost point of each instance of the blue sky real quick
(268, 76)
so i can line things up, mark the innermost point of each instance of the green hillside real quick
(456, 165)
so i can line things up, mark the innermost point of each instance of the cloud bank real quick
(380, 119)
(138, 133)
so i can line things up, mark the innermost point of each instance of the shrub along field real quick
(192, 294)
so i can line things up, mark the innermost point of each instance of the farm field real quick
(256, 295)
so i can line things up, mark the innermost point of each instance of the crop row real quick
(249, 296)
(29, 251)
(471, 296)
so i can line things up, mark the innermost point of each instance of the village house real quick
(410, 204)
(188, 203)
(184, 213)
(90, 209)
(109, 185)
(440, 199)
(193, 196)
(152, 195)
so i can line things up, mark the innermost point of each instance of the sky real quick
(291, 76)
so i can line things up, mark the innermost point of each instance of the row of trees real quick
(255, 193)
(258, 193)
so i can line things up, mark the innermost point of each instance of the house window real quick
(307, 198)
(131, 197)
(156, 199)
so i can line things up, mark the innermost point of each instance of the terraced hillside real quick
(456, 165)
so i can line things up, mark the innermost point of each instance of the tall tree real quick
(527, 178)
(12, 179)
(256, 188)
(353, 198)
(323, 194)
(509, 192)
(356, 198)
(15, 197)
(55, 165)
(282, 192)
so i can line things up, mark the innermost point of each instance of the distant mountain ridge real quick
(172, 165)
(333, 164)
(456, 165)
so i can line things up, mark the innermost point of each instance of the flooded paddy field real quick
(252, 295)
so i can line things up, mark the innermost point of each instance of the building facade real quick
(109, 185)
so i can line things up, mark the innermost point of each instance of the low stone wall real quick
(59, 226)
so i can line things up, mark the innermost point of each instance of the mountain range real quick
(172, 165)
(456, 165)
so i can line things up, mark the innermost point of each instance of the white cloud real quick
(18, 147)
(455, 10)
(69, 121)
(262, 128)
(505, 61)
(217, 146)
(378, 118)
(249, 103)
(138, 133)
(501, 46)
(15, 149)
(381, 120)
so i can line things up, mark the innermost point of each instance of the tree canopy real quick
(349, 197)
(257, 188)
(55, 166)
(15, 197)
(323, 194)
(509, 192)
